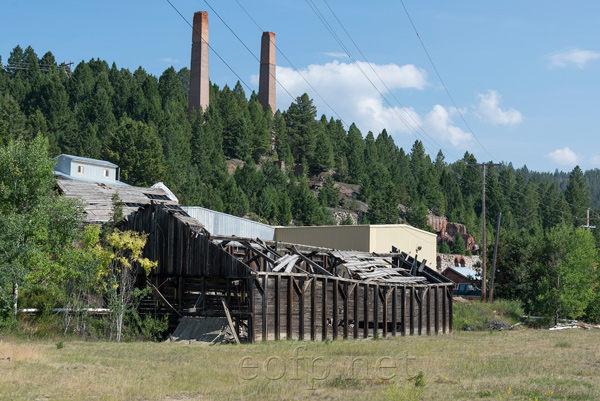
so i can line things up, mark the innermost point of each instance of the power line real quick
(380, 79)
(442, 81)
(357, 65)
(294, 67)
(209, 46)
(250, 51)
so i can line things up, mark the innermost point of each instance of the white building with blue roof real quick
(78, 168)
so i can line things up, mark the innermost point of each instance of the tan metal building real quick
(369, 238)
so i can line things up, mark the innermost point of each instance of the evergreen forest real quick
(141, 123)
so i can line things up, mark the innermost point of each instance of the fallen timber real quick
(273, 290)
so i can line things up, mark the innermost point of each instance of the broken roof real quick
(97, 198)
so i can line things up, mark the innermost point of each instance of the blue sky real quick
(524, 74)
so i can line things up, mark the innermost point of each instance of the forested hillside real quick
(141, 123)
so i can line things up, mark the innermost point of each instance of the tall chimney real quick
(266, 82)
(199, 84)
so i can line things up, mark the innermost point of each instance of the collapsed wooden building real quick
(274, 291)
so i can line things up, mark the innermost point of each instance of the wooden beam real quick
(394, 310)
(366, 310)
(277, 306)
(162, 298)
(290, 307)
(310, 262)
(335, 309)
(324, 284)
(345, 298)
(355, 288)
(251, 320)
(313, 308)
(265, 308)
(237, 340)
(300, 314)
(376, 310)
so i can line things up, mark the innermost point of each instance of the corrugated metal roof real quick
(218, 223)
(466, 272)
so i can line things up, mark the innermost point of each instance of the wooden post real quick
(346, 321)
(233, 329)
(251, 329)
(394, 310)
(290, 309)
(386, 293)
(265, 308)
(277, 306)
(324, 284)
(444, 310)
(356, 302)
(437, 309)
(334, 283)
(412, 310)
(301, 313)
(450, 311)
(313, 309)
(366, 311)
(403, 307)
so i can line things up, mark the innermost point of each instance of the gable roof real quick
(465, 272)
(86, 160)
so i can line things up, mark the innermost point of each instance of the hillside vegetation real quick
(141, 123)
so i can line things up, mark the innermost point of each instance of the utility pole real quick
(483, 278)
(587, 220)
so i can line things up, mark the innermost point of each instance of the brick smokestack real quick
(266, 82)
(199, 84)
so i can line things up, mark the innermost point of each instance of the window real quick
(105, 172)
(80, 169)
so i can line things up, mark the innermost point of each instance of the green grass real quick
(463, 366)
(477, 315)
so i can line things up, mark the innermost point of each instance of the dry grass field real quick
(526, 365)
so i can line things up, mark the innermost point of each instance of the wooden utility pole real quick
(495, 255)
(587, 220)
(483, 278)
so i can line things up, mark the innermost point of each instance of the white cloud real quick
(349, 93)
(595, 160)
(565, 157)
(169, 60)
(578, 57)
(336, 55)
(439, 122)
(489, 110)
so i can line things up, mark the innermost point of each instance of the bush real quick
(476, 315)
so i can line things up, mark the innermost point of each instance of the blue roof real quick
(86, 159)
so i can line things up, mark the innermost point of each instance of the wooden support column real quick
(356, 303)
(313, 308)
(403, 316)
(324, 284)
(277, 306)
(265, 308)
(428, 310)
(450, 309)
(366, 311)
(375, 310)
(444, 311)
(346, 320)
(301, 313)
(394, 310)
(251, 322)
(412, 309)
(437, 309)
(290, 307)
(334, 283)
(386, 293)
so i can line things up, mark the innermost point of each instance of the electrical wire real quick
(442, 81)
(250, 51)
(280, 51)
(210, 47)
